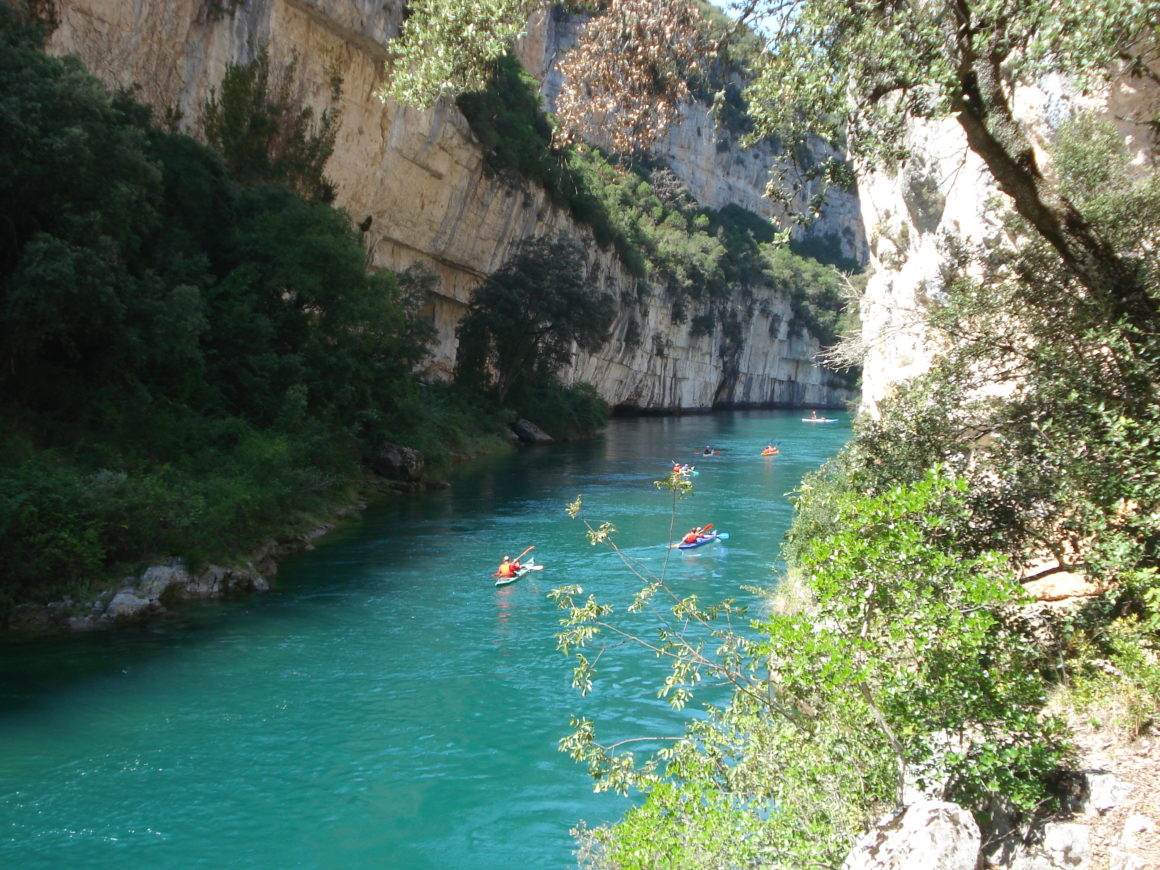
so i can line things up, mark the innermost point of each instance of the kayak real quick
(686, 471)
(819, 419)
(703, 540)
(527, 566)
(770, 451)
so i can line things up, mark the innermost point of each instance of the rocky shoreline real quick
(161, 588)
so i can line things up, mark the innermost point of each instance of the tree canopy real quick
(530, 314)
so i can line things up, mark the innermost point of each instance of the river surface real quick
(385, 705)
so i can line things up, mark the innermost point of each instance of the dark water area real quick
(385, 705)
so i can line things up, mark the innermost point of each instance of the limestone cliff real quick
(419, 176)
(944, 190)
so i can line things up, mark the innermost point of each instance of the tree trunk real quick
(997, 138)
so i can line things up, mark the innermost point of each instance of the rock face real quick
(710, 160)
(944, 190)
(923, 834)
(419, 175)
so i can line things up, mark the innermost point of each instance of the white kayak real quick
(527, 566)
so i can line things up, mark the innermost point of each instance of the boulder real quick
(128, 606)
(529, 433)
(1063, 845)
(924, 834)
(395, 462)
(218, 582)
(1104, 791)
(163, 583)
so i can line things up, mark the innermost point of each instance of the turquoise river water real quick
(385, 706)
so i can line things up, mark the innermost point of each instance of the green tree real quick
(261, 126)
(906, 665)
(529, 316)
(448, 47)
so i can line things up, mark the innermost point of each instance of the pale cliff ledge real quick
(420, 176)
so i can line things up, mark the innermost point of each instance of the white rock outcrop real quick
(945, 190)
(926, 834)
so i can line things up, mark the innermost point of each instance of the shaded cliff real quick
(420, 178)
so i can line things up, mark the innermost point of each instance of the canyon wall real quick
(944, 190)
(419, 176)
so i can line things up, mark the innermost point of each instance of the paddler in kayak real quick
(507, 568)
(694, 533)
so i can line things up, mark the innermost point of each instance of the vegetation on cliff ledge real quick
(714, 267)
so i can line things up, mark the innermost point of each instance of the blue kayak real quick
(702, 540)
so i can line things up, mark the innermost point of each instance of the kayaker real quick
(813, 415)
(507, 568)
(694, 533)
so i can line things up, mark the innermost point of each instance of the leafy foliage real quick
(448, 47)
(906, 666)
(513, 130)
(527, 317)
(264, 131)
(627, 75)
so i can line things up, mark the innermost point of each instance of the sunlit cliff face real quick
(419, 176)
